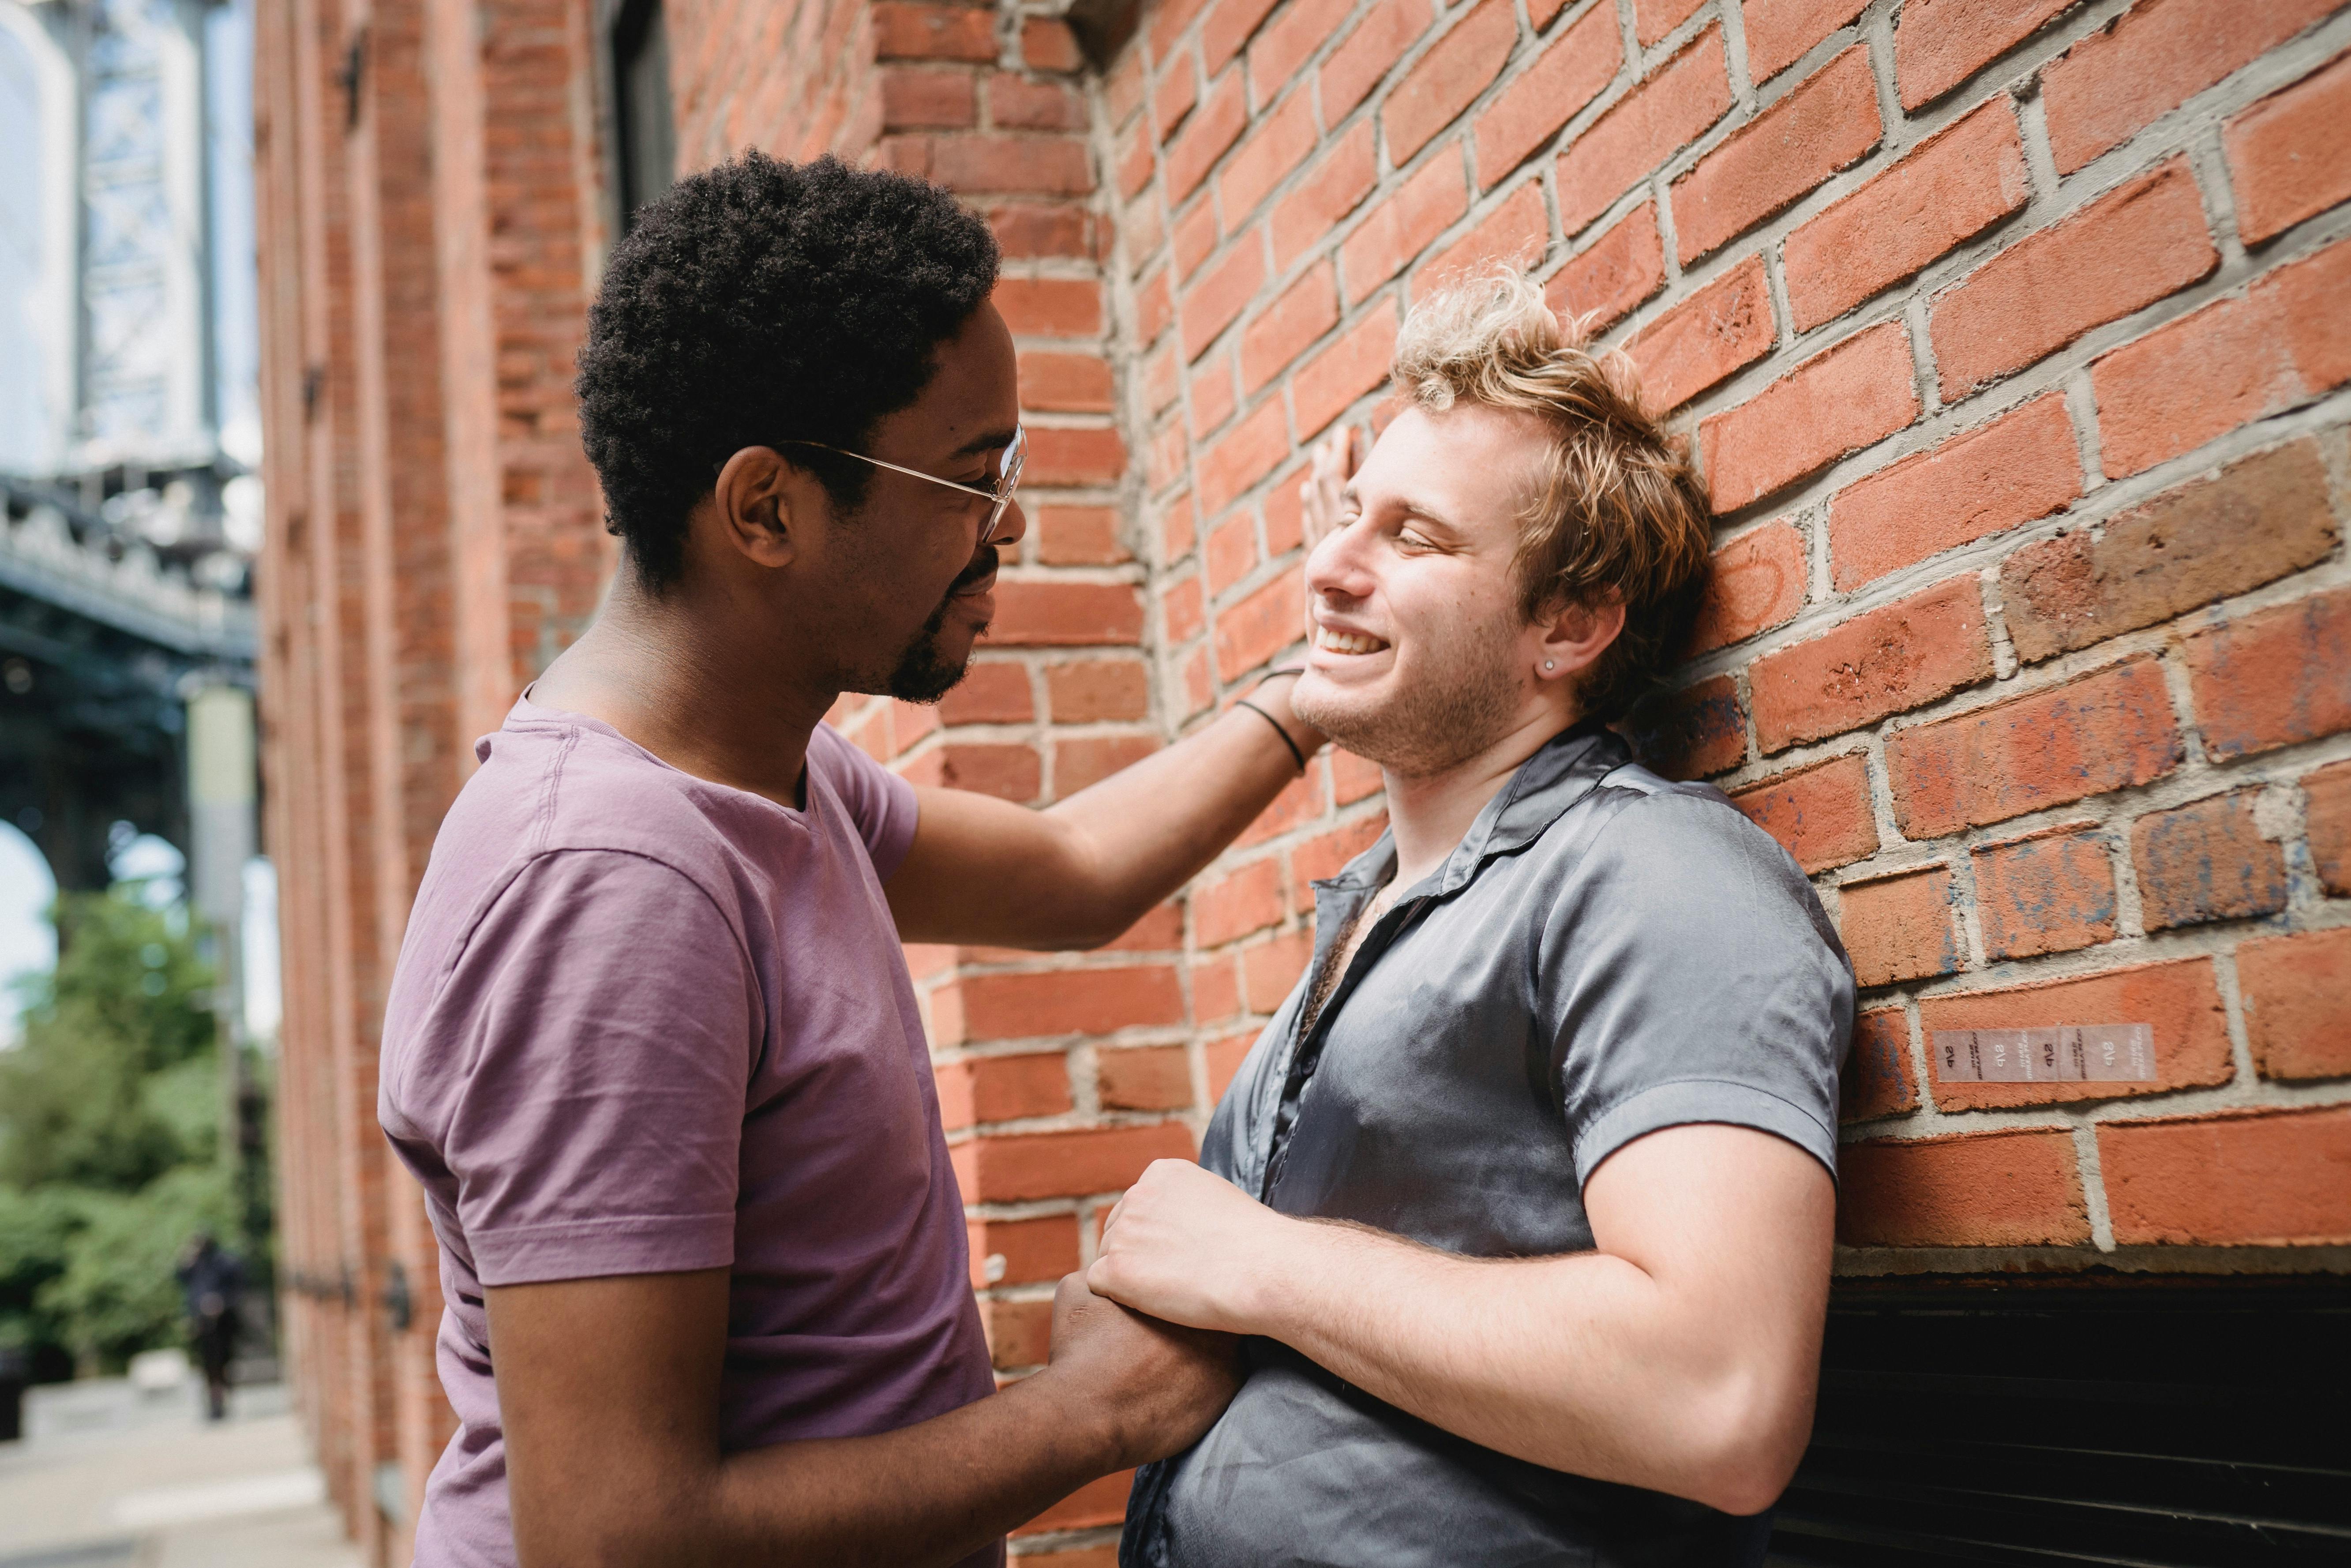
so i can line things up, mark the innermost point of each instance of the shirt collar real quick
(1567, 768)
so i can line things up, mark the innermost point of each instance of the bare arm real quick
(1682, 1355)
(608, 1390)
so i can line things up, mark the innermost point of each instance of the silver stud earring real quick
(1550, 664)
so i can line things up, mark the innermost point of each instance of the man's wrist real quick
(1088, 1424)
(1272, 695)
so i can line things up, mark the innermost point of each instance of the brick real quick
(1402, 226)
(1691, 733)
(1215, 989)
(1301, 313)
(2017, 1188)
(1177, 94)
(1015, 102)
(1162, 378)
(2104, 731)
(1653, 19)
(1280, 144)
(1077, 536)
(1144, 227)
(1069, 454)
(1231, 554)
(1278, 54)
(2019, 467)
(1019, 1334)
(1938, 44)
(2195, 545)
(2122, 252)
(906, 31)
(927, 100)
(1569, 73)
(1352, 778)
(1070, 1001)
(1144, 1077)
(1324, 856)
(1034, 1251)
(1834, 403)
(2282, 342)
(1626, 264)
(2206, 861)
(1161, 931)
(1216, 301)
(1900, 927)
(1092, 1505)
(1876, 1078)
(1168, 21)
(974, 164)
(1024, 230)
(1133, 162)
(1003, 1088)
(2266, 1179)
(1271, 970)
(1872, 666)
(1335, 187)
(1213, 397)
(1066, 614)
(1049, 307)
(2328, 812)
(1082, 762)
(1822, 814)
(1008, 772)
(1327, 385)
(1702, 341)
(1196, 237)
(1643, 130)
(989, 693)
(1445, 81)
(1365, 55)
(1247, 901)
(1181, 609)
(2274, 677)
(1515, 234)
(1245, 455)
(2050, 891)
(1048, 45)
(1020, 1166)
(2293, 990)
(1228, 30)
(1065, 383)
(1757, 582)
(1093, 690)
(1123, 90)
(1945, 191)
(1253, 631)
(2152, 59)
(2290, 154)
(1829, 122)
(1215, 125)
(1781, 32)
(2180, 1001)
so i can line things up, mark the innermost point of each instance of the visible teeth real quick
(1331, 641)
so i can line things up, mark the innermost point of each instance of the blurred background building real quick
(2009, 333)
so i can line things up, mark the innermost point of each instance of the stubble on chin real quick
(1461, 700)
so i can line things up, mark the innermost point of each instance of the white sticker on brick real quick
(2074, 1053)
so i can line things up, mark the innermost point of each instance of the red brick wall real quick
(2008, 335)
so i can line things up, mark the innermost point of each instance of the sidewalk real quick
(107, 1478)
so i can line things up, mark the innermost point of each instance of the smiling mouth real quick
(1329, 641)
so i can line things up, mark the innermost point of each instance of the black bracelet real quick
(1278, 729)
(1285, 670)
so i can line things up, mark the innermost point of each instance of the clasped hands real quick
(1188, 1246)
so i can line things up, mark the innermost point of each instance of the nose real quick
(1338, 568)
(1010, 527)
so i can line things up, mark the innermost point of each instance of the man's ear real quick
(1575, 636)
(753, 505)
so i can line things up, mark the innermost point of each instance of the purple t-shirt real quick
(644, 1023)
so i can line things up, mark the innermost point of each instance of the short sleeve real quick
(604, 1022)
(881, 803)
(1692, 975)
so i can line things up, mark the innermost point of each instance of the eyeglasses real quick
(1007, 478)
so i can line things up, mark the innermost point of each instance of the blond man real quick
(1526, 1193)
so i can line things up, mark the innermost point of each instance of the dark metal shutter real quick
(2116, 1420)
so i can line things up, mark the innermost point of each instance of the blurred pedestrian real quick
(213, 1278)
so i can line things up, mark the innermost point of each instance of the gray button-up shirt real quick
(1605, 955)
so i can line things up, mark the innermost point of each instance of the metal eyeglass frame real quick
(1008, 480)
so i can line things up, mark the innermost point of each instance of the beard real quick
(924, 673)
(1459, 698)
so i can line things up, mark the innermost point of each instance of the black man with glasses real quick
(651, 1048)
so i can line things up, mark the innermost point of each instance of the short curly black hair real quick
(760, 301)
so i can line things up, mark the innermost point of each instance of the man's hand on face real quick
(1162, 1384)
(1190, 1247)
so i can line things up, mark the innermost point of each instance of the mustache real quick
(982, 564)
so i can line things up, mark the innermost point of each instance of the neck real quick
(1431, 814)
(687, 675)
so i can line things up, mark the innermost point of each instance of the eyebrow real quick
(1413, 505)
(985, 441)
